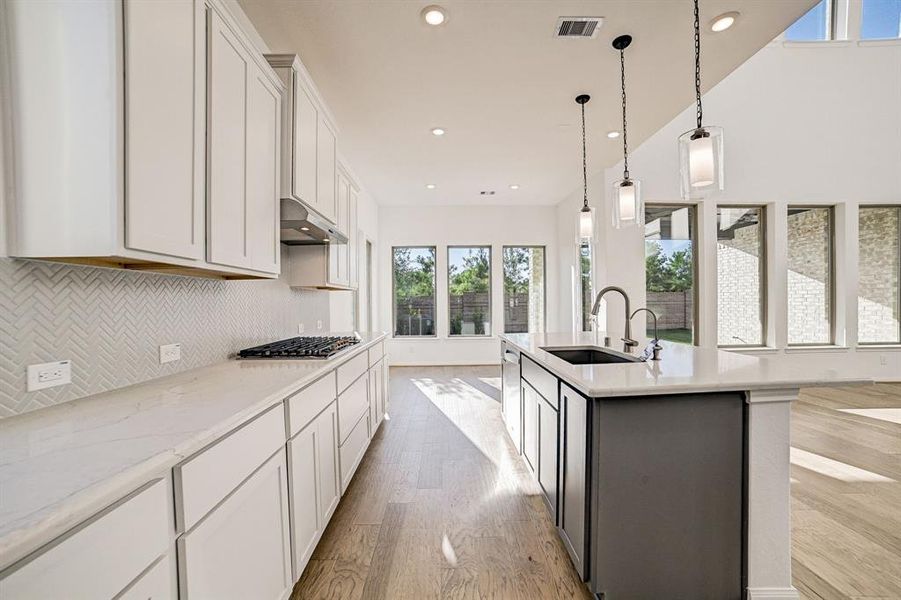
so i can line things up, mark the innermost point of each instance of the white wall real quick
(463, 225)
(808, 123)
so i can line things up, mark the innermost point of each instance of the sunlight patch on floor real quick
(835, 469)
(447, 549)
(892, 415)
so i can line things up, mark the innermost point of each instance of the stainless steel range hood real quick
(302, 227)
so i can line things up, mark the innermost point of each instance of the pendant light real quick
(627, 207)
(586, 215)
(701, 148)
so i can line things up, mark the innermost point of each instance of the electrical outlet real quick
(883, 360)
(300, 328)
(170, 353)
(49, 375)
(319, 324)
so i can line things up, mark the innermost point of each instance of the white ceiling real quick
(501, 85)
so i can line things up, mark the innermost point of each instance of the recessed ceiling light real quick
(434, 15)
(612, 134)
(515, 186)
(304, 228)
(430, 186)
(437, 131)
(724, 21)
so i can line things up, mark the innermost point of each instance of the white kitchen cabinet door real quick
(306, 520)
(326, 170)
(305, 170)
(263, 138)
(165, 125)
(353, 239)
(530, 400)
(343, 202)
(328, 468)
(229, 65)
(241, 550)
(158, 583)
(314, 484)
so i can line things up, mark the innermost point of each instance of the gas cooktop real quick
(301, 347)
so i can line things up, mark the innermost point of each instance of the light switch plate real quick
(47, 375)
(170, 353)
(300, 328)
(319, 324)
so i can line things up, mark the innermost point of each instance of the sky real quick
(881, 19)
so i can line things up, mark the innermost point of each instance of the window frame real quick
(544, 285)
(897, 341)
(831, 296)
(490, 332)
(830, 29)
(860, 37)
(693, 210)
(764, 279)
(580, 305)
(394, 293)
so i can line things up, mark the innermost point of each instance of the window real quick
(414, 291)
(815, 25)
(469, 290)
(880, 19)
(669, 235)
(879, 280)
(585, 283)
(740, 268)
(810, 282)
(523, 289)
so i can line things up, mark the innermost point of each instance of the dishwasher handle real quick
(511, 357)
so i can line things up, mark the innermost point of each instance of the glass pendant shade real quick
(586, 223)
(627, 208)
(701, 162)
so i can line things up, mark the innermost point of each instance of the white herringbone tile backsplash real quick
(110, 323)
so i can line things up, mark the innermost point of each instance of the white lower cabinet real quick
(313, 468)
(102, 557)
(241, 549)
(352, 449)
(377, 406)
(158, 583)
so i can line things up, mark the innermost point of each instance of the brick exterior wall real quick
(809, 301)
(878, 292)
(739, 289)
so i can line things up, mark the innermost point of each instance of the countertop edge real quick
(18, 544)
(675, 389)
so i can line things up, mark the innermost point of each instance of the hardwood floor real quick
(442, 507)
(846, 492)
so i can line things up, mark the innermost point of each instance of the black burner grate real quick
(301, 347)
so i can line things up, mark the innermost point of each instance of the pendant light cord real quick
(622, 64)
(698, 64)
(584, 163)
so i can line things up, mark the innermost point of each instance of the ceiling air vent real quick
(578, 27)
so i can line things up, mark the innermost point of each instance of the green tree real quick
(655, 267)
(473, 276)
(672, 273)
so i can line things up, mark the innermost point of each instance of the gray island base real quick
(665, 479)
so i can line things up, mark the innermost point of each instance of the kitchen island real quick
(666, 479)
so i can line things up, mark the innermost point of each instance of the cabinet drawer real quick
(543, 382)
(352, 403)
(205, 479)
(352, 450)
(101, 558)
(242, 549)
(351, 370)
(376, 353)
(158, 583)
(309, 402)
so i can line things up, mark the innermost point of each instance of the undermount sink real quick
(589, 355)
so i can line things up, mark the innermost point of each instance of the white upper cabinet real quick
(164, 148)
(243, 155)
(326, 168)
(309, 141)
(113, 128)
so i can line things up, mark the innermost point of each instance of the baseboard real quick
(787, 593)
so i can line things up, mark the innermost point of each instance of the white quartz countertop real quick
(682, 369)
(60, 465)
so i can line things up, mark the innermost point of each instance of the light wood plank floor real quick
(442, 507)
(846, 492)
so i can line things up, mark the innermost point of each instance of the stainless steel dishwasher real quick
(512, 404)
